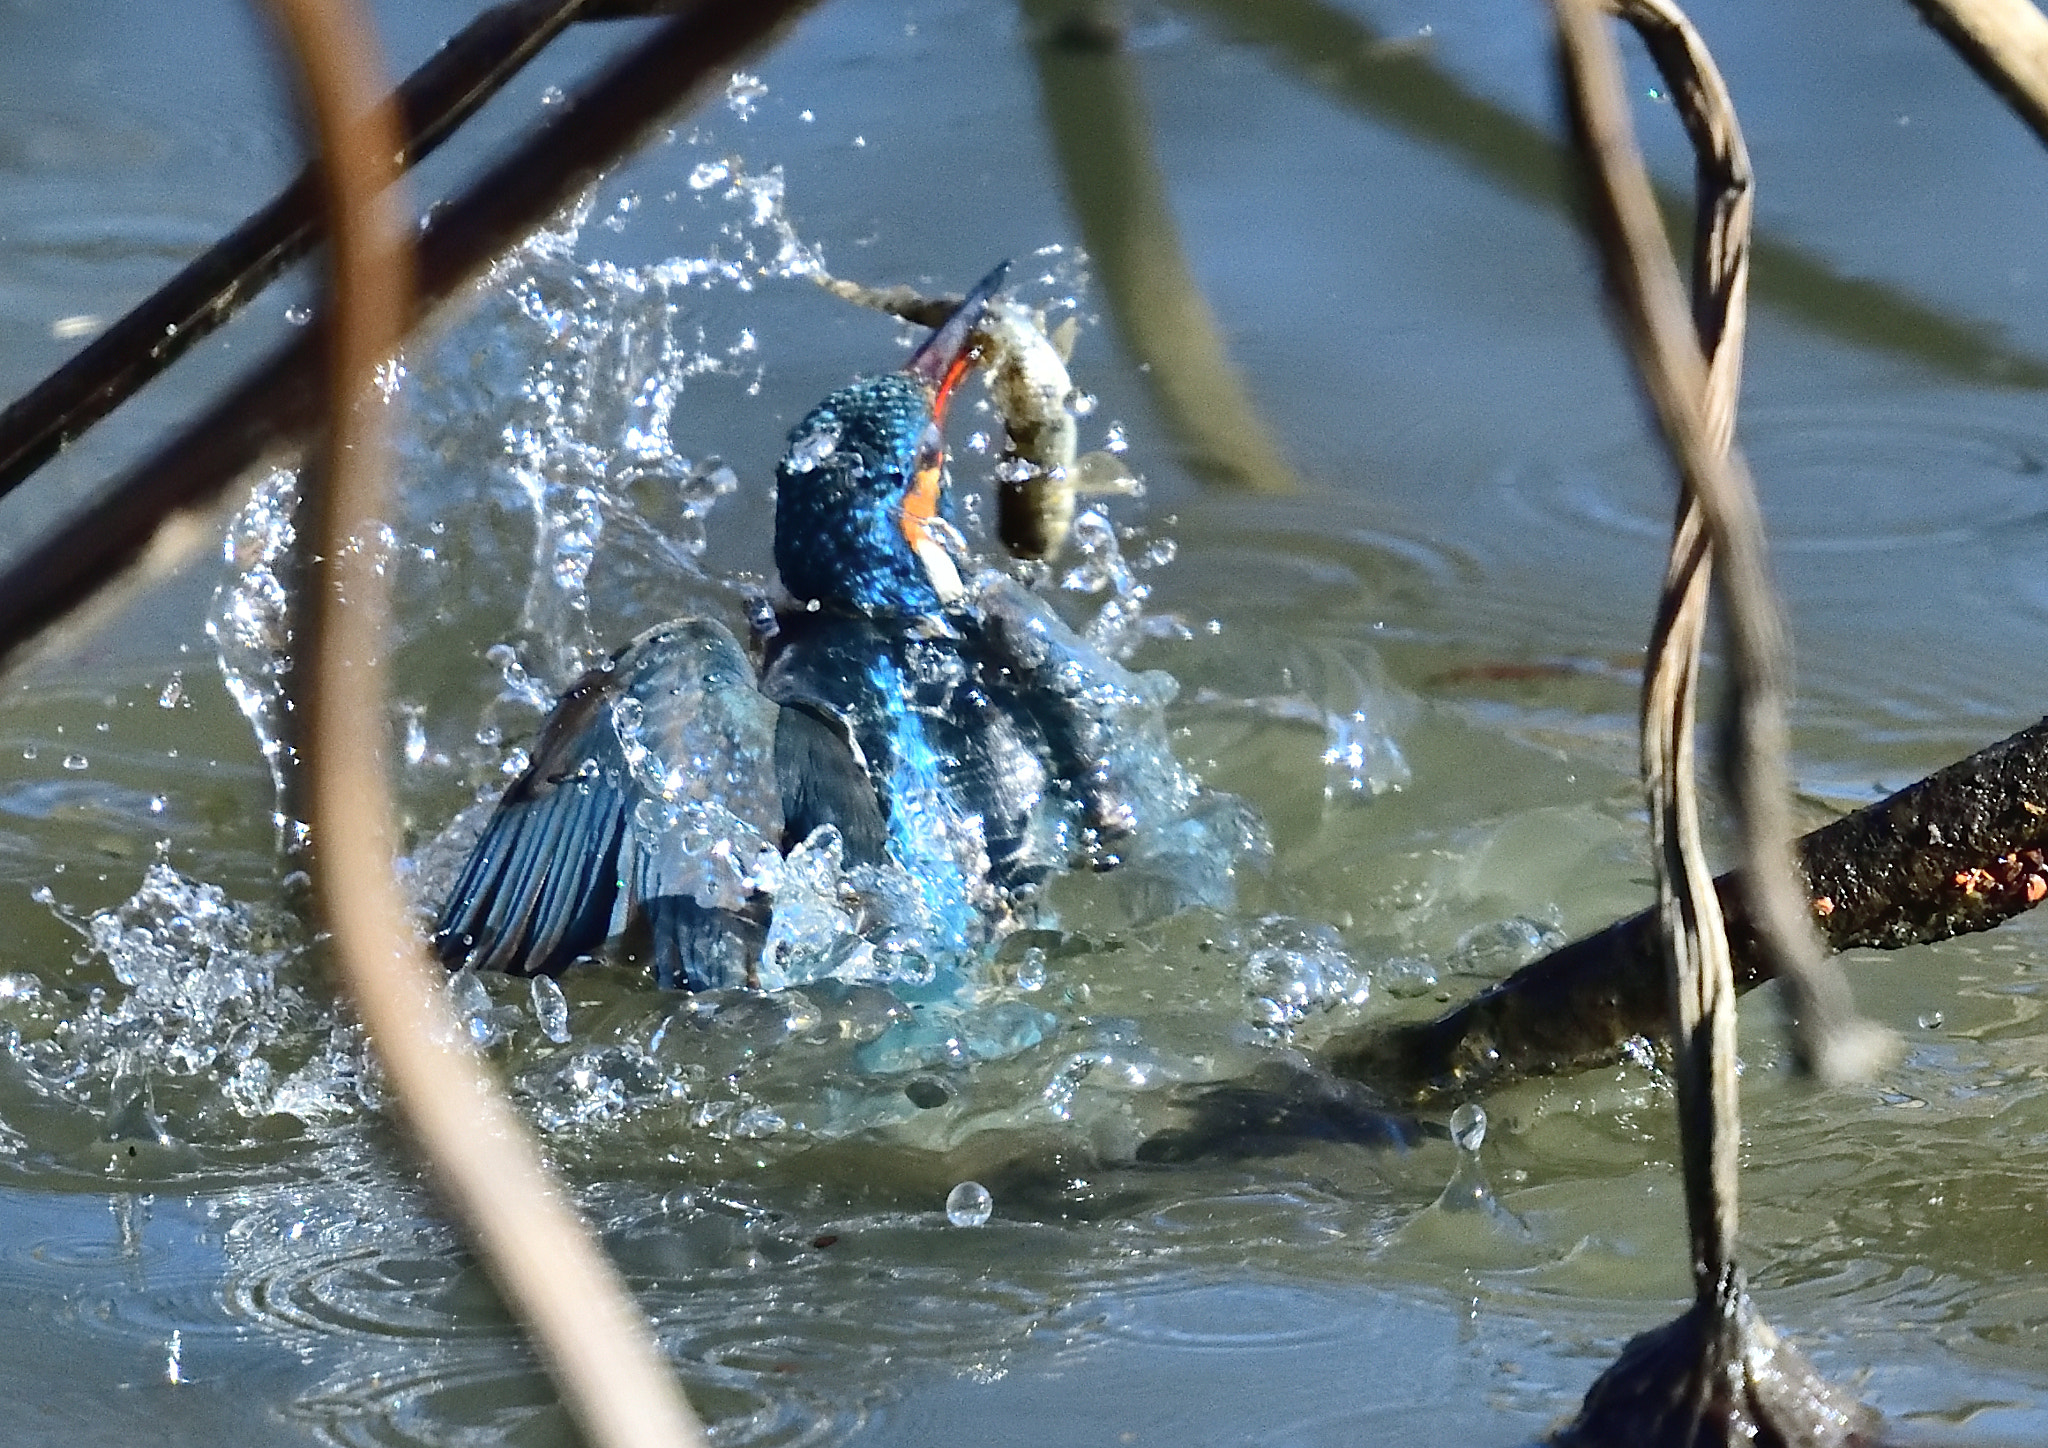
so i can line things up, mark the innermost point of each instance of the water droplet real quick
(173, 691)
(969, 1205)
(813, 447)
(28, 751)
(552, 96)
(415, 735)
(743, 92)
(298, 314)
(77, 761)
(1031, 968)
(1468, 1126)
(551, 1009)
(1932, 1021)
(158, 804)
(707, 174)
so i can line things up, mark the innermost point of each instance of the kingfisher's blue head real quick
(864, 479)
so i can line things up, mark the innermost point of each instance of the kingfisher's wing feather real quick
(702, 947)
(541, 882)
(671, 724)
(700, 741)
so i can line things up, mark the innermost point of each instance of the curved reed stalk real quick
(1718, 1374)
(480, 1155)
(2006, 43)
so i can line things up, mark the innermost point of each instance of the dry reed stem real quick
(1827, 1035)
(1718, 1373)
(1694, 931)
(480, 1155)
(2006, 43)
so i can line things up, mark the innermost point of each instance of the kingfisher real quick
(921, 745)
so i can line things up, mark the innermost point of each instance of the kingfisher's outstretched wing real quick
(647, 761)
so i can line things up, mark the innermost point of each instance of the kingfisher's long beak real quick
(946, 356)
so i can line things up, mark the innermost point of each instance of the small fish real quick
(1038, 475)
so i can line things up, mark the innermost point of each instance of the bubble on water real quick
(969, 1205)
(1405, 977)
(28, 751)
(414, 746)
(1468, 1126)
(1502, 946)
(77, 761)
(550, 1008)
(1297, 968)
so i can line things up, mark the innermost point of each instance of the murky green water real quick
(208, 1234)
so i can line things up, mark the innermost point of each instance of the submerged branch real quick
(1396, 82)
(1960, 851)
(1102, 141)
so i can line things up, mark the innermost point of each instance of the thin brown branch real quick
(2006, 43)
(1644, 284)
(481, 1157)
(1693, 927)
(278, 402)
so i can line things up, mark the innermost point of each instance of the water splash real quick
(205, 1007)
(250, 623)
(1295, 969)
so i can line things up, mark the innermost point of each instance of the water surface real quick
(1418, 668)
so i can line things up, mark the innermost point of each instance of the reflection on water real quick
(1422, 679)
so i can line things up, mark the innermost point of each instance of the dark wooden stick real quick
(1962, 850)
(435, 100)
(278, 402)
